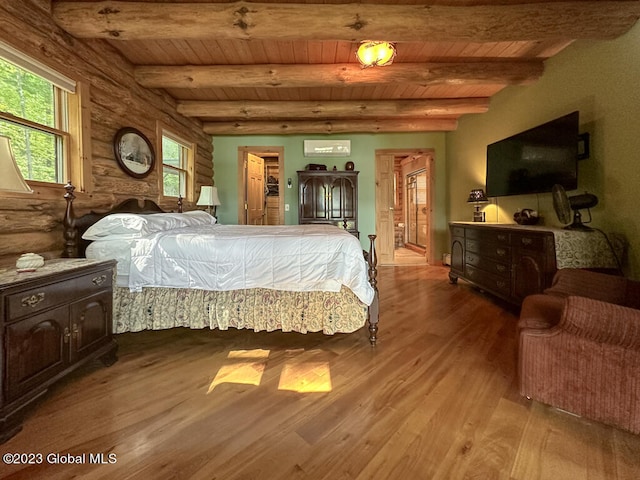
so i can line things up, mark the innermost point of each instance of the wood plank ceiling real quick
(275, 67)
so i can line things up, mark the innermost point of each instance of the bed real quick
(185, 270)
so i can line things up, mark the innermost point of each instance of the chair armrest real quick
(601, 322)
(584, 283)
(540, 312)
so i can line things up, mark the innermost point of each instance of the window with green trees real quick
(33, 114)
(176, 163)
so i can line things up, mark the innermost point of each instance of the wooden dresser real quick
(53, 321)
(329, 197)
(513, 261)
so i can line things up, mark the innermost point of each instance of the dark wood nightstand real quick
(53, 321)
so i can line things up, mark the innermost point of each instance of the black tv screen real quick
(535, 160)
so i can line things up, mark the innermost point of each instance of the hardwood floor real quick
(406, 256)
(436, 399)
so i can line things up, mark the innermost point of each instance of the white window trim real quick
(37, 68)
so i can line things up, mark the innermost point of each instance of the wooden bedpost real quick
(374, 310)
(69, 224)
(180, 204)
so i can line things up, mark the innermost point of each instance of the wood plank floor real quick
(406, 256)
(436, 399)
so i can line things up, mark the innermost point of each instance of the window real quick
(177, 166)
(37, 110)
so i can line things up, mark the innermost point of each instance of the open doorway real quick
(404, 204)
(414, 234)
(260, 183)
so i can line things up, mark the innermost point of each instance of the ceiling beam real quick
(490, 22)
(245, 110)
(338, 75)
(341, 126)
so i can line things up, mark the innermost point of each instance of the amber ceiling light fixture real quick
(376, 54)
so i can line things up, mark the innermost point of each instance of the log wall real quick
(34, 224)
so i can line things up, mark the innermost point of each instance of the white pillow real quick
(159, 222)
(131, 225)
(119, 225)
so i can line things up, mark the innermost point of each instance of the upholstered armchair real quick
(579, 347)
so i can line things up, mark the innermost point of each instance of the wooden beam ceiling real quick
(419, 109)
(182, 25)
(338, 75)
(330, 126)
(491, 22)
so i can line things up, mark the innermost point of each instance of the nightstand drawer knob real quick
(33, 300)
(99, 280)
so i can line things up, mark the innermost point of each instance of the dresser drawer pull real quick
(527, 241)
(33, 300)
(501, 268)
(501, 284)
(502, 238)
(99, 280)
(501, 251)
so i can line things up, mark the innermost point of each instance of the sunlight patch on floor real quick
(306, 377)
(246, 368)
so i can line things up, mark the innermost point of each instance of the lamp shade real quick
(208, 196)
(373, 53)
(477, 195)
(11, 180)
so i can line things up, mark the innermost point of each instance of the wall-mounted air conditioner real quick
(327, 148)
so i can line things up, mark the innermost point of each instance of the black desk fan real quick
(563, 205)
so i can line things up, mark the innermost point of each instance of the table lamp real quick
(477, 196)
(11, 179)
(209, 198)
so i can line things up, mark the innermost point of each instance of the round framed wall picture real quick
(133, 152)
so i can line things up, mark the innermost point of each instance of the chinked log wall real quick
(34, 224)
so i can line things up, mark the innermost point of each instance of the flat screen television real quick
(535, 160)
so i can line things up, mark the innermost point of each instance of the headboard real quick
(74, 227)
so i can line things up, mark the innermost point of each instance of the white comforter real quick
(232, 257)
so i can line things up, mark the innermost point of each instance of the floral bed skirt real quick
(257, 309)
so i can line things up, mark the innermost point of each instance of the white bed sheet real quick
(234, 257)
(117, 249)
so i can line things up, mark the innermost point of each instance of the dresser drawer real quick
(93, 283)
(529, 242)
(28, 302)
(494, 283)
(488, 265)
(490, 250)
(489, 235)
(457, 231)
